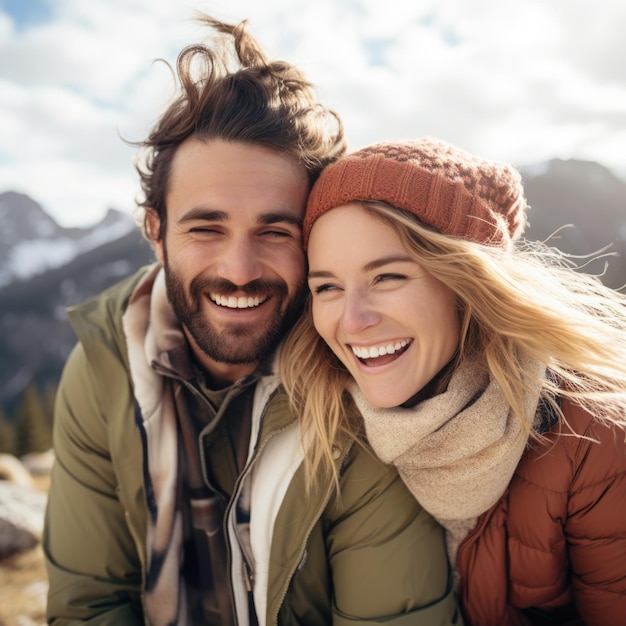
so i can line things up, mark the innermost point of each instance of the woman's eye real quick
(323, 288)
(388, 277)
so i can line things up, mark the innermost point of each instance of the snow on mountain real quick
(35, 256)
(32, 242)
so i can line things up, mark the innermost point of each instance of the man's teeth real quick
(376, 351)
(234, 302)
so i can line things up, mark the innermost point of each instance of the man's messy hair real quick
(228, 89)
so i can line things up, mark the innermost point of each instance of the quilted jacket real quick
(553, 548)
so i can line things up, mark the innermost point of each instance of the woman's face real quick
(391, 323)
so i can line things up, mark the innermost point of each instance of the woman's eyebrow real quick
(320, 274)
(388, 260)
(372, 265)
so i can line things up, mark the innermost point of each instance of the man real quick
(177, 496)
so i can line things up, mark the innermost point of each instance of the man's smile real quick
(237, 302)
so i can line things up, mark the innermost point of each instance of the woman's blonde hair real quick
(527, 300)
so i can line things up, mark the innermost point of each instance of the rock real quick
(21, 517)
(38, 463)
(14, 471)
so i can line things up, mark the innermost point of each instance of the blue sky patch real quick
(26, 13)
(377, 51)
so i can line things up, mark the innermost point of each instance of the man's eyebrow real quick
(281, 216)
(213, 215)
(208, 215)
(372, 265)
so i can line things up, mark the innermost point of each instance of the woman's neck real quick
(437, 384)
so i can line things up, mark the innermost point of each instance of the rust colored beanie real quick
(447, 188)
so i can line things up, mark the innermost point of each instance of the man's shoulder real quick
(98, 322)
(114, 297)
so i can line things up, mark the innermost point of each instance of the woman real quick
(488, 370)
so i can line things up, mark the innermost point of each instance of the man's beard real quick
(238, 343)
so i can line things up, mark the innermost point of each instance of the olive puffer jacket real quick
(373, 556)
(553, 548)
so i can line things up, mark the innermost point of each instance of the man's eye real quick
(276, 233)
(203, 229)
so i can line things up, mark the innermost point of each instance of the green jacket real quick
(373, 557)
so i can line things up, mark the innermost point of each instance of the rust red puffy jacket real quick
(553, 549)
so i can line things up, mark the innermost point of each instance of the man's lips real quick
(237, 302)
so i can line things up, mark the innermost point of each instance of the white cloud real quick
(522, 82)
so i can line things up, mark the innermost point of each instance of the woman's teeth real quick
(376, 351)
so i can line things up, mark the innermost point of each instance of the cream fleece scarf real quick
(457, 451)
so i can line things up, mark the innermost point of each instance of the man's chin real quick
(239, 351)
(240, 343)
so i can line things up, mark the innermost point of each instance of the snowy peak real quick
(23, 219)
(31, 242)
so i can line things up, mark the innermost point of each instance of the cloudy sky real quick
(518, 81)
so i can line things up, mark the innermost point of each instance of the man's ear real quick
(153, 228)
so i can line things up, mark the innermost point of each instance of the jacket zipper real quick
(216, 415)
(258, 449)
(283, 592)
(314, 520)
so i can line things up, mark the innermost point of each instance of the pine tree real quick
(33, 432)
(7, 434)
(49, 398)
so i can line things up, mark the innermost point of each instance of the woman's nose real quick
(358, 313)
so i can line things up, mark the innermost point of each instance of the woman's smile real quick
(380, 354)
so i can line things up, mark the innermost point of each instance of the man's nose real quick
(240, 262)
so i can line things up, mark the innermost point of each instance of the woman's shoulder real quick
(578, 449)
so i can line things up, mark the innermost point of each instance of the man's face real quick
(232, 250)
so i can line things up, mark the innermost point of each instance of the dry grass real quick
(24, 584)
(23, 589)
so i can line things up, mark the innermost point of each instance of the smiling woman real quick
(488, 371)
(368, 299)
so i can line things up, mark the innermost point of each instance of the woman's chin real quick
(383, 399)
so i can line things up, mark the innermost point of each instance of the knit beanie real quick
(447, 188)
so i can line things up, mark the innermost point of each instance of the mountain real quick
(31, 242)
(590, 201)
(45, 268)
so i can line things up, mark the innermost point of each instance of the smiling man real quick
(232, 251)
(178, 494)
(232, 254)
